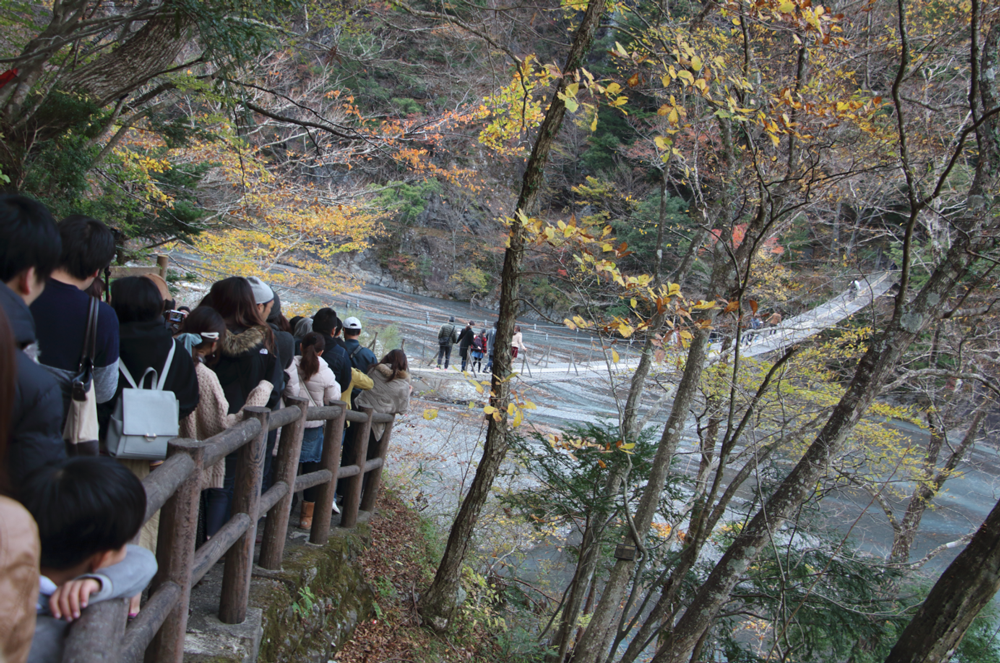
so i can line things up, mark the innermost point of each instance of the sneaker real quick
(336, 509)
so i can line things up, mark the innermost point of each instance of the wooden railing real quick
(174, 488)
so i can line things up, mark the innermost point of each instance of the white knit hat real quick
(262, 292)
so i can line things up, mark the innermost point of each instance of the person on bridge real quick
(491, 337)
(516, 343)
(478, 350)
(447, 337)
(465, 342)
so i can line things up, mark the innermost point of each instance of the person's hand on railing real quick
(70, 598)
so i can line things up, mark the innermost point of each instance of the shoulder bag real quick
(81, 419)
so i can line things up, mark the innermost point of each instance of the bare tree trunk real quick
(956, 598)
(438, 604)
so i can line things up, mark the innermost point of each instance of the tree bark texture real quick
(438, 604)
(975, 230)
(969, 583)
(147, 53)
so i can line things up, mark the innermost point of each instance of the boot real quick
(306, 517)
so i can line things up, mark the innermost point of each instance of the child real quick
(478, 350)
(87, 509)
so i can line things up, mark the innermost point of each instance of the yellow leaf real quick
(702, 305)
(479, 388)
(696, 63)
(614, 356)
(625, 329)
(633, 302)
(630, 445)
(511, 408)
(686, 75)
(430, 414)
(673, 117)
(489, 409)
(607, 247)
(786, 7)
(686, 335)
(518, 418)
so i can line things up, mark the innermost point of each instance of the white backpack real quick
(144, 420)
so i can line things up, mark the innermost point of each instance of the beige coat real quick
(211, 417)
(19, 557)
(320, 389)
(386, 396)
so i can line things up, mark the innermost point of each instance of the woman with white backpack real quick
(312, 380)
(150, 359)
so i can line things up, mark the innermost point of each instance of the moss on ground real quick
(315, 602)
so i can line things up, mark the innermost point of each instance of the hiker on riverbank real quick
(478, 350)
(465, 342)
(447, 337)
(516, 343)
(491, 337)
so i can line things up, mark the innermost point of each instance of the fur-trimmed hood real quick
(386, 372)
(235, 344)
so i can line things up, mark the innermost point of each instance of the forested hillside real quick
(674, 173)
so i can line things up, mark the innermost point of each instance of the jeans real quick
(445, 352)
(463, 352)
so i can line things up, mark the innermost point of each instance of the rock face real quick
(420, 256)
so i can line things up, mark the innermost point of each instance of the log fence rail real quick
(102, 634)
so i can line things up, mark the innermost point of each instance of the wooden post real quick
(246, 499)
(161, 265)
(375, 480)
(333, 441)
(175, 548)
(276, 527)
(352, 487)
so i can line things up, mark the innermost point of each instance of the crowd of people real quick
(473, 347)
(91, 391)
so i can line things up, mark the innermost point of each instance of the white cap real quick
(262, 292)
(352, 323)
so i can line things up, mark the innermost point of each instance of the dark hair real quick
(233, 299)
(396, 360)
(204, 319)
(325, 321)
(8, 388)
(96, 289)
(136, 299)
(312, 345)
(83, 505)
(28, 238)
(88, 245)
(276, 318)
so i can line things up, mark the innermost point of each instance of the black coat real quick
(465, 338)
(284, 343)
(36, 418)
(243, 362)
(144, 345)
(337, 360)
